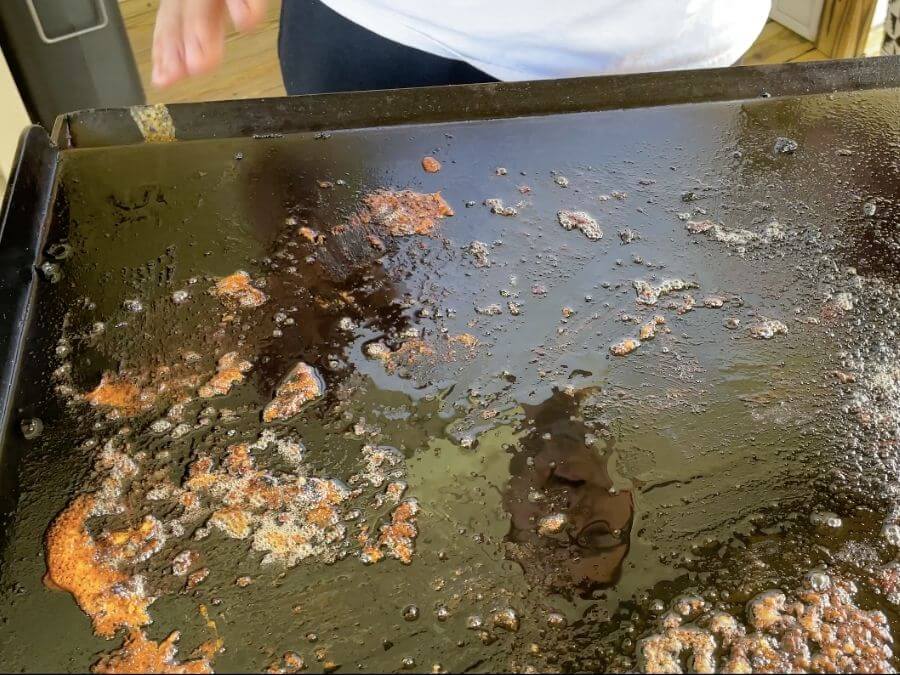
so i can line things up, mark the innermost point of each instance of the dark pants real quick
(321, 51)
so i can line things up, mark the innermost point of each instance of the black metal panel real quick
(68, 55)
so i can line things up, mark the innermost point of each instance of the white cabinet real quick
(801, 16)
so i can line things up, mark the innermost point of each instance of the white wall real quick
(880, 13)
(13, 119)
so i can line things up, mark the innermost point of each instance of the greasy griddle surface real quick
(724, 442)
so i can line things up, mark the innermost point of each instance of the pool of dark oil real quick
(567, 496)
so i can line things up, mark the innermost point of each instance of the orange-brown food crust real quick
(408, 354)
(233, 521)
(465, 339)
(430, 164)
(131, 544)
(131, 393)
(229, 371)
(139, 654)
(624, 347)
(311, 235)
(397, 538)
(75, 564)
(236, 288)
(404, 213)
(118, 393)
(300, 386)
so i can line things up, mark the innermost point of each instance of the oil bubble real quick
(60, 250)
(474, 622)
(891, 532)
(556, 620)
(505, 618)
(51, 272)
(818, 581)
(31, 428)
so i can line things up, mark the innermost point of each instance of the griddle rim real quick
(268, 117)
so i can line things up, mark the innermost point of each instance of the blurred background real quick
(62, 55)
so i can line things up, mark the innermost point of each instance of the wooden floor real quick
(251, 61)
(777, 44)
(250, 68)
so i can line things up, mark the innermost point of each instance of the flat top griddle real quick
(705, 463)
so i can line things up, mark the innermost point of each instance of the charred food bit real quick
(229, 371)
(290, 662)
(552, 524)
(648, 330)
(311, 235)
(785, 146)
(301, 386)
(627, 235)
(496, 206)
(479, 253)
(844, 377)
(766, 330)
(737, 237)
(237, 288)
(687, 304)
(404, 213)
(489, 310)
(430, 164)
(196, 578)
(648, 294)
(182, 563)
(624, 347)
(410, 353)
(582, 221)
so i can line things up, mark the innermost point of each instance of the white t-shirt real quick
(534, 39)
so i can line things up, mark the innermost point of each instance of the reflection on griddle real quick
(569, 526)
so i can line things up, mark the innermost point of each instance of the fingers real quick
(168, 44)
(203, 30)
(188, 39)
(246, 14)
(189, 36)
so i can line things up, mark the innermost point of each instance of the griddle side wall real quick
(26, 206)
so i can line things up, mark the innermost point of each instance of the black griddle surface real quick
(728, 446)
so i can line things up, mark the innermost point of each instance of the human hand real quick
(189, 37)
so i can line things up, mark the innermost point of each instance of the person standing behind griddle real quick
(346, 45)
